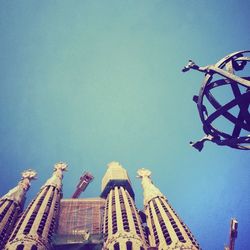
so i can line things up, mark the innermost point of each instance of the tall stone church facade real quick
(109, 222)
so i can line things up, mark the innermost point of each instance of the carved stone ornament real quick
(61, 166)
(29, 174)
(150, 190)
(56, 179)
(17, 193)
(114, 164)
(142, 172)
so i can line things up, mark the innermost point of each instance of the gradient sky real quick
(89, 82)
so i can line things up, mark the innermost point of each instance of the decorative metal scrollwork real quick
(220, 77)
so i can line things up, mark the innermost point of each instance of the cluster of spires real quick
(33, 229)
(124, 227)
(158, 227)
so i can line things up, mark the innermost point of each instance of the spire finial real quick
(142, 172)
(114, 164)
(29, 174)
(60, 166)
(17, 193)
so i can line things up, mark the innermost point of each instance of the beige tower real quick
(37, 224)
(167, 231)
(122, 226)
(11, 205)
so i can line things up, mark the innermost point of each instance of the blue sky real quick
(89, 82)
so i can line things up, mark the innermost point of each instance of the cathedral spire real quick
(167, 230)
(122, 227)
(17, 194)
(56, 179)
(11, 205)
(149, 189)
(36, 226)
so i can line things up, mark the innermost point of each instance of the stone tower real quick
(37, 224)
(167, 230)
(11, 205)
(122, 227)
